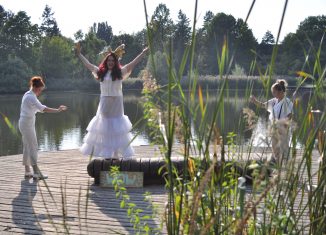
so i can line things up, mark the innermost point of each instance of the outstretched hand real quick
(145, 49)
(62, 108)
(252, 99)
(78, 48)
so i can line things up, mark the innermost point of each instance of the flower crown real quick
(119, 51)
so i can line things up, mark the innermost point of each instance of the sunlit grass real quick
(9, 124)
(208, 200)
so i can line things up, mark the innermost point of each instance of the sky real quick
(127, 16)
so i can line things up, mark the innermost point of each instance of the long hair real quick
(103, 68)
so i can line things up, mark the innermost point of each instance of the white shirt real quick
(113, 88)
(30, 105)
(279, 109)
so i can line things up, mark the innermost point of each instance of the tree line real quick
(27, 49)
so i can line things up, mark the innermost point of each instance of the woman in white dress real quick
(280, 110)
(109, 131)
(29, 107)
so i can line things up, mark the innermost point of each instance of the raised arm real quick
(135, 61)
(87, 64)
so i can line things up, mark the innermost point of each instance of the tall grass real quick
(209, 196)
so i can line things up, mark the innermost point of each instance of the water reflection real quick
(66, 130)
(63, 130)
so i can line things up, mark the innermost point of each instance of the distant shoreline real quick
(136, 84)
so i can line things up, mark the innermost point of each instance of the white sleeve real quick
(36, 104)
(269, 105)
(288, 109)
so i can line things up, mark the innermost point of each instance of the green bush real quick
(14, 75)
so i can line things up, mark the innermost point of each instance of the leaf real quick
(305, 75)
(122, 204)
(310, 117)
(146, 217)
(131, 205)
(191, 167)
(321, 141)
(8, 123)
(201, 101)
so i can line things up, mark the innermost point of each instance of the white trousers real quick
(30, 146)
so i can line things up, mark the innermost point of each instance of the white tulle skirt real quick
(108, 133)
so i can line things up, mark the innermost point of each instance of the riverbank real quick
(206, 82)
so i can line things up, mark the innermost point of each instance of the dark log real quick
(154, 169)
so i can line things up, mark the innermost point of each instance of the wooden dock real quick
(68, 201)
(25, 205)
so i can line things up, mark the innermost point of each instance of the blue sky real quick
(127, 16)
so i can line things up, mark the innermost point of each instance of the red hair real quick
(36, 82)
(103, 68)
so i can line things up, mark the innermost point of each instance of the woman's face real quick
(278, 94)
(110, 62)
(38, 90)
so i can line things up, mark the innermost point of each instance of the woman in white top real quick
(109, 131)
(280, 110)
(29, 107)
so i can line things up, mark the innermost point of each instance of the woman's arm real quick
(54, 110)
(132, 64)
(257, 102)
(87, 64)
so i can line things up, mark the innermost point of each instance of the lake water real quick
(66, 130)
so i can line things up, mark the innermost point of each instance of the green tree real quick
(290, 56)
(161, 27)
(57, 59)
(4, 16)
(19, 36)
(139, 43)
(140, 38)
(49, 26)
(222, 27)
(91, 47)
(218, 30)
(298, 49)
(160, 66)
(264, 50)
(14, 75)
(244, 43)
(268, 38)
(312, 27)
(310, 33)
(104, 32)
(209, 16)
(201, 43)
(3, 19)
(134, 45)
(181, 37)
(79, 35)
